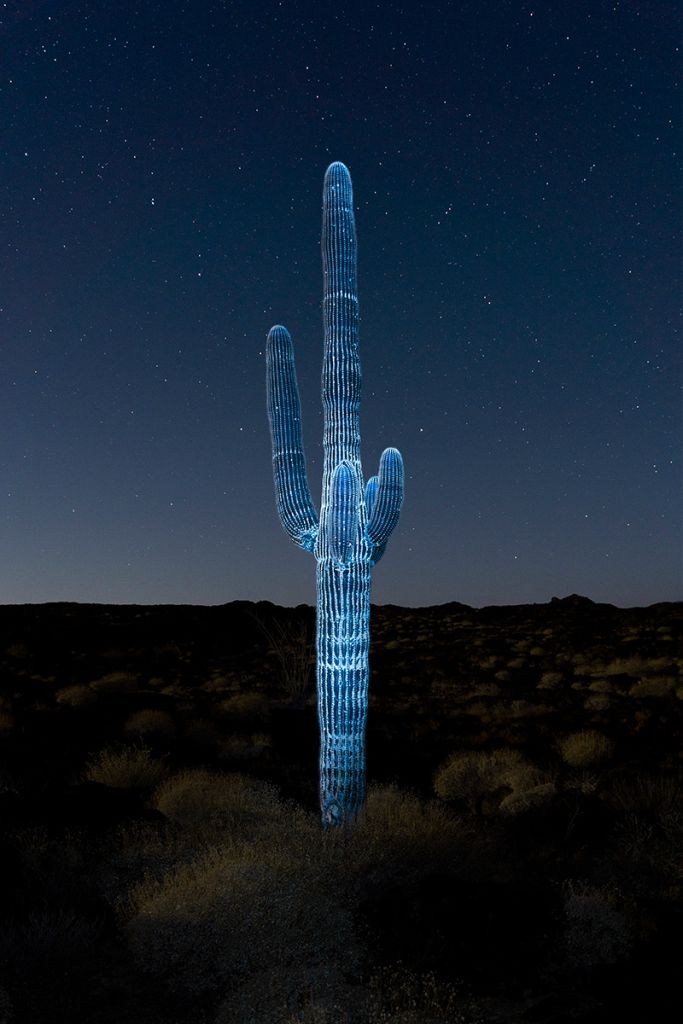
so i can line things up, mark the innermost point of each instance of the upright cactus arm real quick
(343, 511)
(387, 498)
(294, 503)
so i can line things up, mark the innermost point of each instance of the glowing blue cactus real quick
(354, 524)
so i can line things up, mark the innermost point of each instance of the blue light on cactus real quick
(355, 523)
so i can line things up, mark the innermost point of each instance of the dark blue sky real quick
(517, 211)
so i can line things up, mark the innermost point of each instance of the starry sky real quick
(516, 191)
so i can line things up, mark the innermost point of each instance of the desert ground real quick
(519, 858)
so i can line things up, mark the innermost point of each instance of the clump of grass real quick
(115, 682)
(76, 696)
(397, 994)
(244, 748)
(586, 748)
(200, 799)
(655, 686)
(7, 723)
(655, 798)
(477, 777)
(551, 681)
(240, 908)
(126, 768)
(597, 931)
(244, 706)
(150, 724)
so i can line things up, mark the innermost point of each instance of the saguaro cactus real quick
(354, 525)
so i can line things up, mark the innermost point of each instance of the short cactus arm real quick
(294, 503)
(386, 506)
(343, 511)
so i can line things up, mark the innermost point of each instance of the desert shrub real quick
(199, 799)
(601, 686)
(293, 644)
(636, 666)
(115, 682)
(656, 798)
(396, 840)
(242, 908)
(126, 768)
(475, 776)
(244, 748)
(7, 723)
(202, 736)
(528, 799)
(397, 995)
(597, 702)
(586, 748)
(76, 696)
(54, 865)
(597, 930)
(302, 995)
(582, 781)
(151, 724)
(45, 939)
(6, 1011)
(550, 681)
(8, 783)
(655, 686)
(244, 705)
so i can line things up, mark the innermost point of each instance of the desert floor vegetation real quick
(518, 857)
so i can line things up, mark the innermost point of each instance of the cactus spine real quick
(354, 525)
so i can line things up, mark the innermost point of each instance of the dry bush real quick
(598, 702)
(602, 686)
(266, 912)
(6, 1010)
(150, 724)
(54, 865)
(207, 801)
(654, 686)
(636, 666)
(7, 723)
(76, 696)
(202, 736)
(597, 931)
(242, 908)
(585, 749)
(244, 705)
(115, 682)
(551, 681)
(302, 995)
(476, 776)
(47, 938)
(126, 768)
(399, 996)
(528, 799)
(244, 748)
(656, 798)
(396, 840)
(293, 644)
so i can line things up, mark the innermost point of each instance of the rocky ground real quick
(521, 857)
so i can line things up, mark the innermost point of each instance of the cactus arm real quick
(294, 503)
(343, 511)
(370, 495)
(386, 507)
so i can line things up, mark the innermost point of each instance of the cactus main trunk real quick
(342, 675)
(350, 534)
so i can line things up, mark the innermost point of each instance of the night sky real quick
(517, 210)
